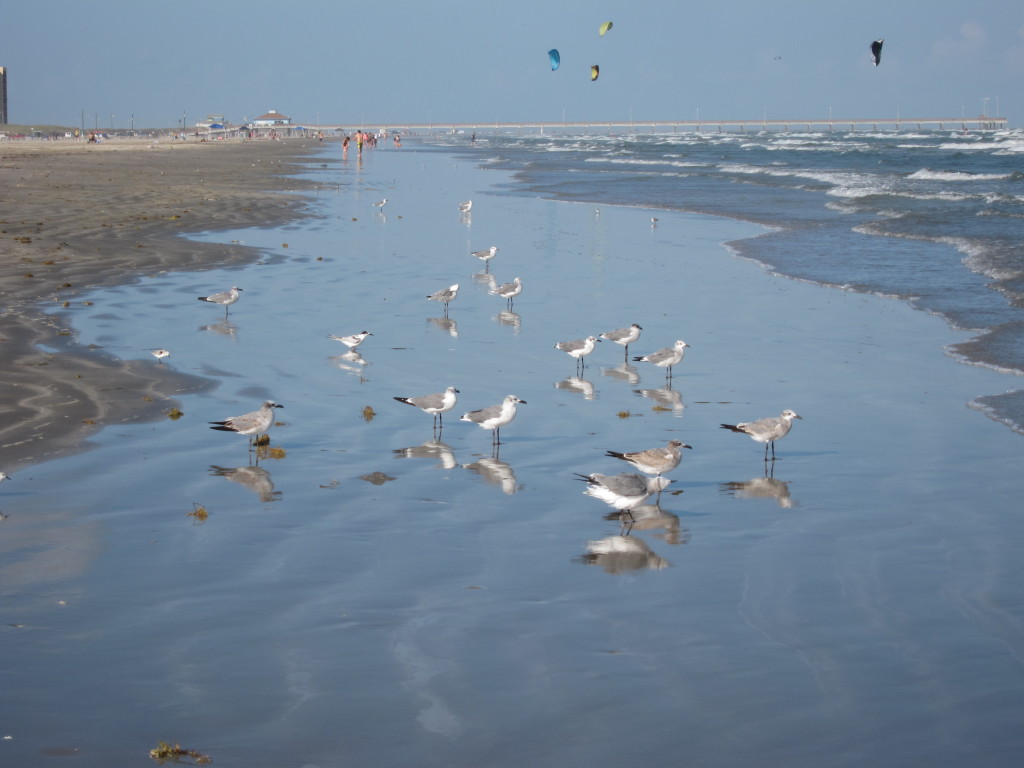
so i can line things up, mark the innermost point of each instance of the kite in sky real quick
(555, 58)
(594, 72)
(604, 28)
(876, 50)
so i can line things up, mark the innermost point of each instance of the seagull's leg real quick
(622, 516)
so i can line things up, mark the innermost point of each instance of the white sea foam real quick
(926, 174)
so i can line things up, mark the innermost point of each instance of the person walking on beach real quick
(344, 147)
(359, 141)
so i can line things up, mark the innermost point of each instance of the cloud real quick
(965, 47)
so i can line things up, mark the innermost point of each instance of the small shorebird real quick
(159, 354)
(486, 255)
(379, 205)
(578, 348)
(4, 476)
(654, 461)
(250, 423)
(466, 207)
(352, 341)
(623, 491)
(624, 336)
(767, 430)
(666, 357)
(508, 290)
(224, 298)
(435, 404)
(445, 295)
(495, 417)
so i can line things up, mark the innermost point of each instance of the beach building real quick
(3, 96)
(273, 117)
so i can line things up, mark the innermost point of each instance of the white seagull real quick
(445, 295)
(159, 354)
(224, 298)
(434, 404)
(666, 357)
(495, 417)
(352, 341)
(508, 291)
(466, 207)
(624, 336)
(486, 255)
(379, 205)
(767, 430)
(654, 461)
(623, 491)
(578, 348)
(250, 423)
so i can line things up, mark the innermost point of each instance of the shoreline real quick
(79, 217)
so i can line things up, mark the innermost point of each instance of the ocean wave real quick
(926, 174)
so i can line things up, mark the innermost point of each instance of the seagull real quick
(654, 221)
(379, 205)
(623, 491)
(624, 336)
(352, 341)
(654, 461)
(435, 404)
(767, 430)
(666, 358)
(5, 476)
(495, 417)
(508, 290)
(445, 295)
(251, 423)
(486, 255)
(224, 298)
(578, 348)
(159, 354)
(466, 207)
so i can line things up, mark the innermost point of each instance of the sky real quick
(370, 62)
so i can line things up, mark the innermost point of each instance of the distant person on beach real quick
(344, 147)
(359, 141)
(398, 141)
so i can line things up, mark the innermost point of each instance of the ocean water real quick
(370, 592)
(935, 218)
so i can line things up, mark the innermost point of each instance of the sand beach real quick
(371, 591)
(76, 216)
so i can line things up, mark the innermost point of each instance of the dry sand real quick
(75, 216)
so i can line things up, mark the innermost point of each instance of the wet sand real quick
(77, 216)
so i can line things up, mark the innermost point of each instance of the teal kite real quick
(555, 58)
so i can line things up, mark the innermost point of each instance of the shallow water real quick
(858, 606)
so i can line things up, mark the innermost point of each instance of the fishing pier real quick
(980, 123)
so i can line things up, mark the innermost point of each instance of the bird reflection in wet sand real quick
(494, 471)
(351, 361)
(665, 399)
(511, 319)
(620, 554)
(625, 372)
(445, 324)
(224, 328)
(256, 479)
(579, 385)
(433, 449)
(766, 487)
(651, 517)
